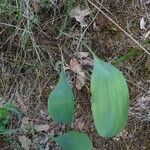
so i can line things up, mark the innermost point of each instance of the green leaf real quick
(4, 117)
(110, 97)
(10, 106)
(131, 54)
(61, 101)
(74, 141)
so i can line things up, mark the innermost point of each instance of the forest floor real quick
(33, 38)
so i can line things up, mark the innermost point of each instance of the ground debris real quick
(80, 15)
(25, 142)
(41, 127)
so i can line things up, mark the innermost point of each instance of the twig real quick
(10, 25)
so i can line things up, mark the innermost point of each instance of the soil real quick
(28, 80)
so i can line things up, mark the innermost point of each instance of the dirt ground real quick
(29, 72)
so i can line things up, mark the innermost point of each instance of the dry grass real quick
(30, 48)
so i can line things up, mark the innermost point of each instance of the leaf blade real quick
(74, 141)
(110, 96)
(61, 101)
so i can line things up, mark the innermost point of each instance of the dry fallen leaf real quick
(80, 81)
(87, 62)
(25, 120)
(25, 142)
(84, 59)
(41, 127)
(142, 24)
(79, 15)
(82, 54)
(76, 67)
(148, 2)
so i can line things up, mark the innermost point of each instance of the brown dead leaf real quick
(84, 59)
(88, 62)
(142, 24)
(25, 142)
(82, 54)
(80, 82)
(76, 67)
(25, 120)
(79, 15)
(41, 127)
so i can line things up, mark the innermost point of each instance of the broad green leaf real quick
(74, 141)
(61, 101)
(110, 97)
